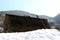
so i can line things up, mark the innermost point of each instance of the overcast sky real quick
(39, 7)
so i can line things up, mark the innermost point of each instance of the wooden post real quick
(5, 24)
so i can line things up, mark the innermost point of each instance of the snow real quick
(20, 13)
(40, 34)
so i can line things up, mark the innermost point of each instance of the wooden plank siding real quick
(15, 23)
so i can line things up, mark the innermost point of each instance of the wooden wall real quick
(14, 23)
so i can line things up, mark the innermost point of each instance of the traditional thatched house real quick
(19, 21)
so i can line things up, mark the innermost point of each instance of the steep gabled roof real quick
(20, 13)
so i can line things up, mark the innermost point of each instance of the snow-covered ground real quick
(40, 34)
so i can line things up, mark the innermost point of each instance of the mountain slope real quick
(57, 18)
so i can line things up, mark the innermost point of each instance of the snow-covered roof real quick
(24, 13)
(50, 19)
(20, 13)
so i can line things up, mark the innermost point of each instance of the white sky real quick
(39, 7)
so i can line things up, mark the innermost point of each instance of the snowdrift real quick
(40, 34)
